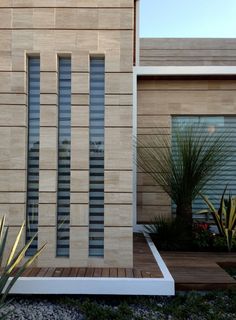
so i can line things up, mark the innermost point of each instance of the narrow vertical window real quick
(96, 167)
(64, 156)
(33, 152)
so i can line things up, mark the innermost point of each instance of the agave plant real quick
(224, 217)
(183, 164)
(14, 263)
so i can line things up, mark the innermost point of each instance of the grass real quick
(191, 306)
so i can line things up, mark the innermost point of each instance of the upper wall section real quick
(187, 52)
(67, 3)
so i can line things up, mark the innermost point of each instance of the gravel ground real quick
(190, 306)
(40, 309)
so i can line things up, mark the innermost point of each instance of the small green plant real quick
(224, 217)
(14, 263)
(94, 311)
(169, 233)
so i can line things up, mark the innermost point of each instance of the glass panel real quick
(64, 156)
(33, 152)
(96, 170)
(214, 125)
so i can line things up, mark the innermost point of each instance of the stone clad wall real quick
(161, 98)
(187, 52)
(78, 28)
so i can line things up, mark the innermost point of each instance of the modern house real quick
(76, 85)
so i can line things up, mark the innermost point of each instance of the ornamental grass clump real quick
(182, 165)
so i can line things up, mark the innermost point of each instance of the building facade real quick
(72, 96)
(66, 126)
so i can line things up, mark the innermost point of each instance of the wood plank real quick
(27, 272)
(105, 272)
(113, 272)
(66, 272)
(74, 272)
(81, 272)
(129, 273)
(121, 273)
(146, 274)
(58, 272)
(137, 273)
(97, 272)
(42, 272)
(89, 272)
(49, 272)
(34, 272)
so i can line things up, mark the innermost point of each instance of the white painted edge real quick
(165, 271)
(94, 286)
(100, 286)
(185, 70)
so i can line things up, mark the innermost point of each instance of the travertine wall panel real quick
(47, 180)
(12, 180)
(158, 100)
(118, 246)
(12, 148)
(79, 215)
(48, 148)
(187, 52)
(47, 214)
(77, 29)
(67, 3)
(118, 215)
(14, 213)
(119, 116)
(118, 151)
(80, 148)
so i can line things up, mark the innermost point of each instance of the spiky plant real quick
(183, 164)
(14, 262)
(224, 217)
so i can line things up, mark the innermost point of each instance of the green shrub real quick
(95, 311)
(169, 234)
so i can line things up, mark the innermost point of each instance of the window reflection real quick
(33, 152)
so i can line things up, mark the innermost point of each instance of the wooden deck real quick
(145, 266)
(200, 270)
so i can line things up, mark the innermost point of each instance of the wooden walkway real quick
(145, 266)
(200, 270)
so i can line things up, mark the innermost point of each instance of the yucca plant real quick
(183, 163)
(224, 217)
(14, 262)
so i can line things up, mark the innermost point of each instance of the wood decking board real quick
(199, 270)
(97, 272)
(129, 273)
(74, 272)
(145, 266)
(81, 272)
(105, 272)
(89, 272)
(121, 273)
(113, 272)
